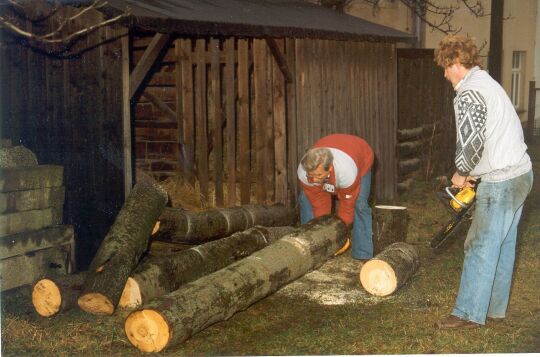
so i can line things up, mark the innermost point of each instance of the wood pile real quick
(33, 241)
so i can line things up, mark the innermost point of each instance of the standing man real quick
(489, 146)
(339, 165)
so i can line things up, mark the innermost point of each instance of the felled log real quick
(408, 166)
(160, 275)
(182, 226)
(390, 225)
(17, 156)
(122, 248)
(408, 148)
(175, 317)
(390, 269)
(58, 293)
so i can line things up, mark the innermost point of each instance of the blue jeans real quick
(490, 249)
(362, 242)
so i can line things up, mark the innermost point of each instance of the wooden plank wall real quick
(67, 111)
(349, 87)
(229, 98)
(425, 100)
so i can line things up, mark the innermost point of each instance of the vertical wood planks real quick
(291, 120)
(230, 111)
(280, 130)
(215, 69)
(201, 130)
(188, 113)
(243, 121)
(179, 105)
(259, 79)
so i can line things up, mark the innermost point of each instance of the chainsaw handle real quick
(447, 189)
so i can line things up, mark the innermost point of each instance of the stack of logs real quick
(32, 239)
(410, 143)
(179, 294)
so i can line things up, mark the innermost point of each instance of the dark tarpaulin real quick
(251, 18)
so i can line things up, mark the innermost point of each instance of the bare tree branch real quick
(56, 36)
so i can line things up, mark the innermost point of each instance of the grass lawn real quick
(285, 324)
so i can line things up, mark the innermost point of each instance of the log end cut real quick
(96, 304)
(46, 298)
(378, 278)
(147, 330)
(131, 296)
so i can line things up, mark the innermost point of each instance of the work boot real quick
(454, 322)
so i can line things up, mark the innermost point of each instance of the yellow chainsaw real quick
(460, 203)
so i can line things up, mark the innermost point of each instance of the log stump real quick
(390, 225)
(58, 293)
(390, 269)
(122, 248)
(160, 275)
(175, 317)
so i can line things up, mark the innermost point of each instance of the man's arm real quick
(471, 124)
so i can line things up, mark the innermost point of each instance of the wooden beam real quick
(244, 151)
(261, 117)
(178, 81)
(147, 60)
(230, 104)
(126, 117)
(218, 123)
(280, 59)
(161, 105)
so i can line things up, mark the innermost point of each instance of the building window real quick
(517, 77)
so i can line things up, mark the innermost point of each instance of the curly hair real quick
(457, 48)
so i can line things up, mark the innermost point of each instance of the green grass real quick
(280, 325)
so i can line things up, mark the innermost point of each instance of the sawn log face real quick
(218, 296)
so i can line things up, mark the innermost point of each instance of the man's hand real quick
(462, 181)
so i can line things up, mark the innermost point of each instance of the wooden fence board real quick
(188, 113)
(201, 130)
(261, 97)
(230, 111)
(215, 75)
(243, 121)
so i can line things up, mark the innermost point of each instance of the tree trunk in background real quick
(496, 39)
(188, 227)
(122, 248)
(160, 275)
(390, 269)
(175, 317)
(58, 293)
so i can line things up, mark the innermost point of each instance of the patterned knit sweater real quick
(489, 141)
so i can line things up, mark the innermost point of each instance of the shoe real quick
(452, 322)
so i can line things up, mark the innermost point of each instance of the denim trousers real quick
(490, 249)
(362, 241)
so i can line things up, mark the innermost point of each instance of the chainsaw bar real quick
(450, 227)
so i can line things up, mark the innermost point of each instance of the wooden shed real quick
(225, 94)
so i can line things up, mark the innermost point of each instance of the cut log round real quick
(58, 293)
(390, 225)
(390, 269)
(160, 275)
(182, 226)
(122, 248)
(175, 317)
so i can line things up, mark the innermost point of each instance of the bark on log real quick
(408, 148)
(17, 156)
(176, 316)
(160, 275)
(409, 134)
(59, 293)
(188, 227)
(390, 269)
(122, 248)
(407, 166)
(390, 225)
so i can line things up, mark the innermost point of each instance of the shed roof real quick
(252, 18)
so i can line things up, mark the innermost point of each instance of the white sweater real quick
(489, 141)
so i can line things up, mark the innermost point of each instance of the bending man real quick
(339, 165)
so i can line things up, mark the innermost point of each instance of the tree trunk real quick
(216, 297)
(389, 270)
(159, 275)
(199, 227)
(390, 225)
(122, 248)
(57, 293)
